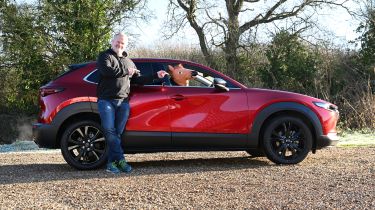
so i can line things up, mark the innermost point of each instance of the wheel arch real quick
(73, 113)
(283, 108)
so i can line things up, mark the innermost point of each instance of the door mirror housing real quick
(220, 84)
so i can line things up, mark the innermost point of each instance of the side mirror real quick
(220, 84)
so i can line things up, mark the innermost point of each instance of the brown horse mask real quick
(180, 75)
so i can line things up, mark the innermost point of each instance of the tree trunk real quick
(233, 36)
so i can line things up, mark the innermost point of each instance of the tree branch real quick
(190, 15)
(271, 16)
(257, 20)
(217, 22)
(251, 1)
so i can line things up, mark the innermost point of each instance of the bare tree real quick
(223, 25)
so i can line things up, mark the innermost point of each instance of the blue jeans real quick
(114, 114)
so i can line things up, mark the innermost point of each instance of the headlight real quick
(326, 106)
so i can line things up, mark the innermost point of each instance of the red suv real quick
(213, 113)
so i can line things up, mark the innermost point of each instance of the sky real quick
(151, 33)
(338, 22)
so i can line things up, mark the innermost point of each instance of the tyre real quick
(83, 145)
(287, 140)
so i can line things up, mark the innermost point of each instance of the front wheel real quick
(287, 140)
(83, 145)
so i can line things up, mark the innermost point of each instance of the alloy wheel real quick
(86, 144)
(287, 140)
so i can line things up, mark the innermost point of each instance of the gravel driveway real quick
(334, 178)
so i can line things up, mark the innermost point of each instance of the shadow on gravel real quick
(29, 173)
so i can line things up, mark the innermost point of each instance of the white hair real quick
(122, 34)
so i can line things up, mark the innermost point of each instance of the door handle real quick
(178, 97)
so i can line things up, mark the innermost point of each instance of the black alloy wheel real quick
(287, 140)
(83, 145)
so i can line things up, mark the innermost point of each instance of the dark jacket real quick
(114, 80)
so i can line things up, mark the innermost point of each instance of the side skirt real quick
(143, 142)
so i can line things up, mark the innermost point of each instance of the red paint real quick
(208, 110)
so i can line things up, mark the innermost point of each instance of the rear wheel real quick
(83, 145)
(287, 140)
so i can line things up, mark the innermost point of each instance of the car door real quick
(149, 119)
(203, 116)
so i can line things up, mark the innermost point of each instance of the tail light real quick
(49, 90)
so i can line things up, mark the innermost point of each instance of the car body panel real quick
(209, 110)
(164, 118)
(46, 135)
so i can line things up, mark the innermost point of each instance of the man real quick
(116, 70)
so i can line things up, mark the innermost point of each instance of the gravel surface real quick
(334, 178)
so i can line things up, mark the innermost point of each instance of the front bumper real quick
(44, 135)
(331, 139)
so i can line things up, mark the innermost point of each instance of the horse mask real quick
(181, 75)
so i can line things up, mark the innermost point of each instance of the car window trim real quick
(93, 71)
(175, 86)
(86, 80)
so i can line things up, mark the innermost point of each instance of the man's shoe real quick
(112, 168)
(123, 166)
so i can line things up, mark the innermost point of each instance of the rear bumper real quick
(44, 135)
(331, 139)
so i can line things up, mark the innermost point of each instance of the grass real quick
(357, 139)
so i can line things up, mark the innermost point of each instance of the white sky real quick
(151, 33)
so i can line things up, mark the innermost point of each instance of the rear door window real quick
(150, 69)
(145, 68)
